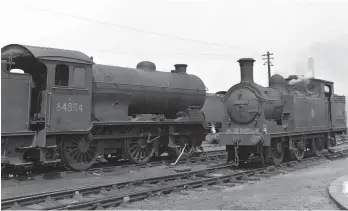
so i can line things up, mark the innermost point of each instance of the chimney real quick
(311, 66)
(246, 70)
(180, 68)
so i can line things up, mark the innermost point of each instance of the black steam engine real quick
(66, 108)
(285, 119)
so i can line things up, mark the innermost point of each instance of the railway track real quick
(113, 195)
(100, 168)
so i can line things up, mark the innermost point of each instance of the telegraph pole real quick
(269, 64)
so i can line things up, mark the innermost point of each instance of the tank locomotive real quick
(280, 121)
(65, 108)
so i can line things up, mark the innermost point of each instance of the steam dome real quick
(277, 80)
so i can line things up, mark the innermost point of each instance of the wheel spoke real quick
(83, 160)
(138, 153)
(83, 157)
(89, 150)
(87, 157)
(87, 160)
(135, 151)
(76, 156)
(143, 153)
(133, 147)
(79, 158)
(90, 154)
(74, 152)
(74, 142)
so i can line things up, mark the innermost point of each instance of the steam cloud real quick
(300, 78)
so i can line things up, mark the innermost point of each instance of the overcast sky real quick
(292, 30)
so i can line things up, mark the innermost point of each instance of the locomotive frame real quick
(47, 117)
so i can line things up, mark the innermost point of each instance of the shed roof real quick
(45, 53)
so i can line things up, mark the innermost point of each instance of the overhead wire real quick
(143, 31)
(170, 53)
(132, 28)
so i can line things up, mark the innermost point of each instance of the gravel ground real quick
(11, 188)
(302, 189)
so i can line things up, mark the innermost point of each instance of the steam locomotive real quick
(284, 120)
(65, 108)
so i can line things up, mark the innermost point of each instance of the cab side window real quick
(62, 75)
(79, 77)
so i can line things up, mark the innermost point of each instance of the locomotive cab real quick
(52, 94)
(60, 83)
(22, 89)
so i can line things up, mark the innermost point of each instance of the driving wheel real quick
(276, 151)
(318, 146)
(139, 150)
(78, 153)
(298, 150)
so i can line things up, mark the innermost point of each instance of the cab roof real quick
(43, 53)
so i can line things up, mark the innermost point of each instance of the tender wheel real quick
(138, 150)
(318, 146)
(299, 149)
(79, 153)
(276, 152)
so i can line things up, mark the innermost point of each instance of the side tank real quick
(144, 90)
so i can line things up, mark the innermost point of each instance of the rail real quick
(112, 195)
